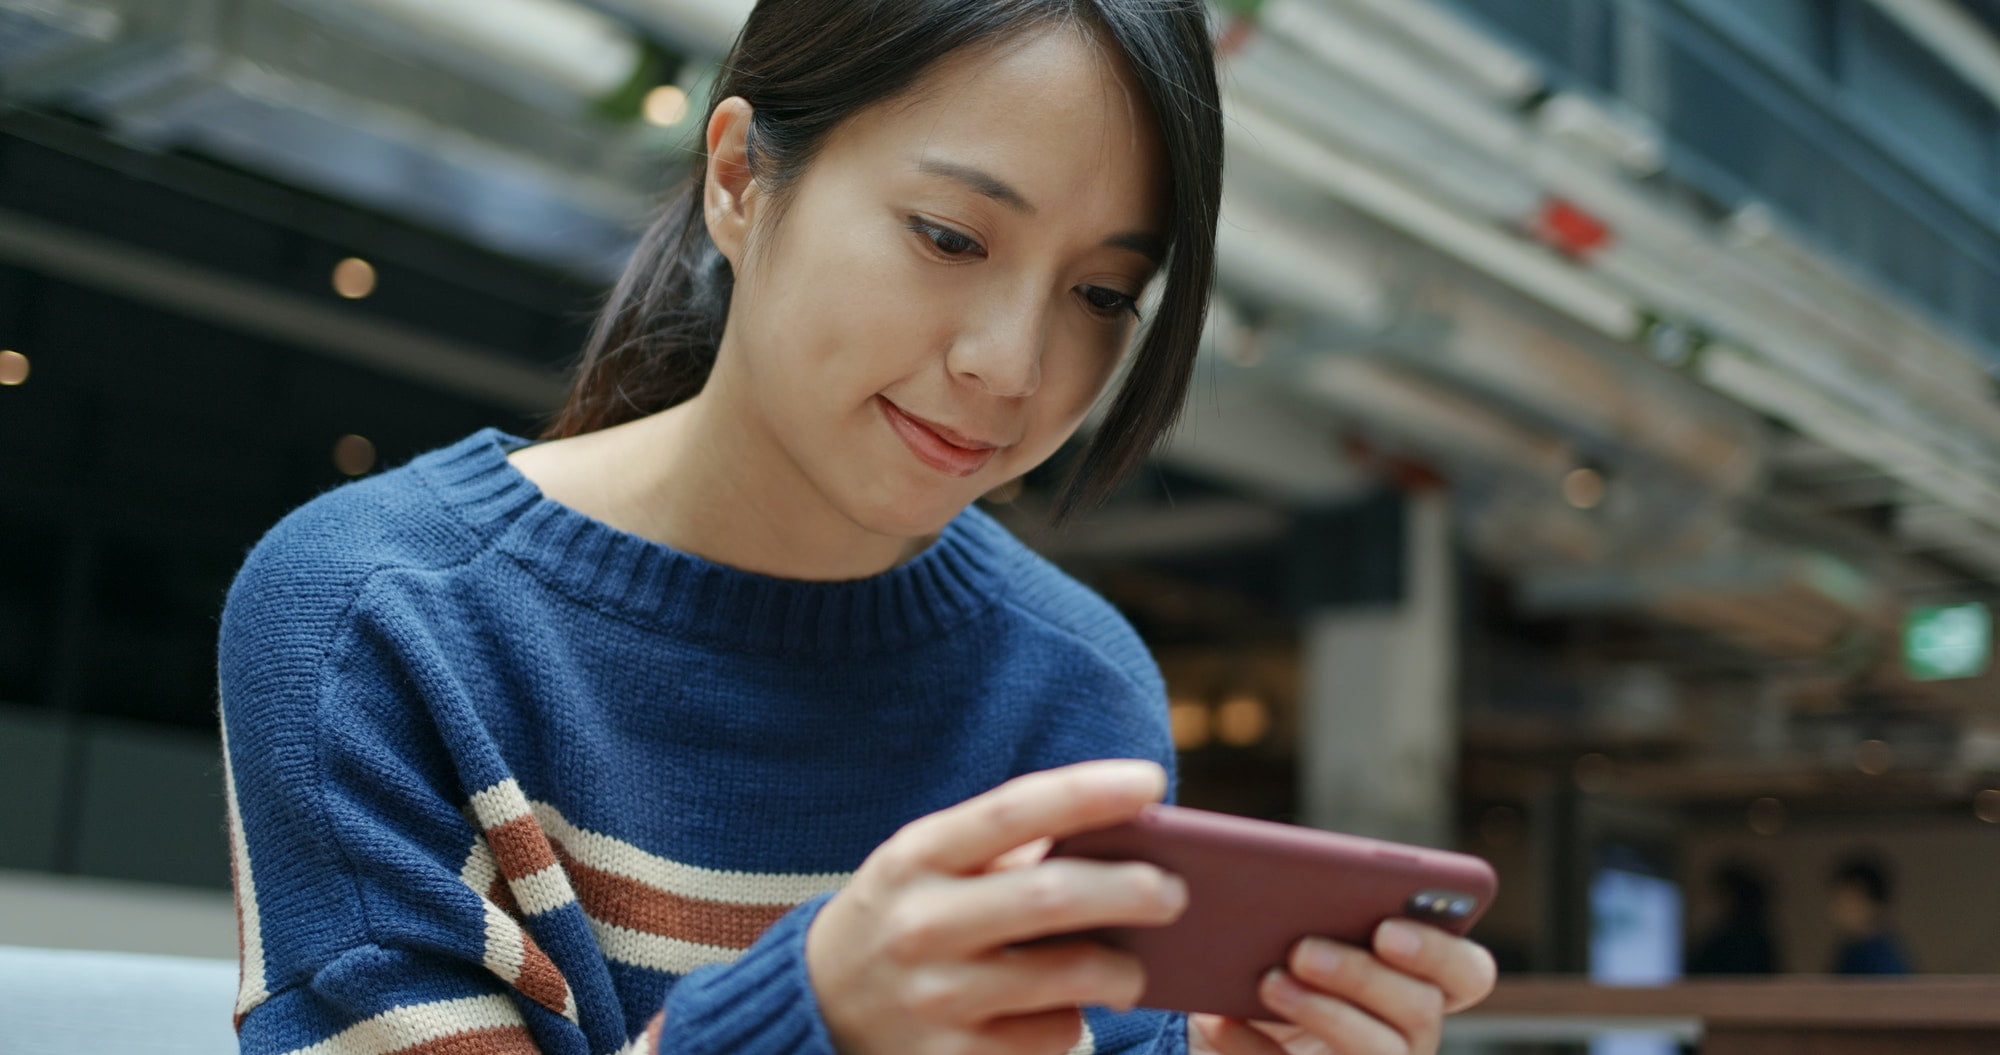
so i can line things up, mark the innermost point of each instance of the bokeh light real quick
(353, 455)
(13, 368)
(1584, 488)
(665, 106)
(1189, 720)
(1242, 720)
(354, 278)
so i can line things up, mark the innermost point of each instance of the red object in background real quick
(1405, 473)
(1234, 35)
(1569, 229)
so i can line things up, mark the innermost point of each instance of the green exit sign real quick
(1947, 641)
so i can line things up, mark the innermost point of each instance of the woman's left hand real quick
(1343, 1000)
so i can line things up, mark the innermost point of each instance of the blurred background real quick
(1594, 462)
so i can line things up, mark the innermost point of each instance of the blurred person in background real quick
(1739, 942)
(1859, 901)
(724, 692)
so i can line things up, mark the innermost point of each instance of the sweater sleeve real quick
(378, 911)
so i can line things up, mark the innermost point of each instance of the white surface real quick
(61, 1002)
(76, 912)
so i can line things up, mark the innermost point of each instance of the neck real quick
(703, 479)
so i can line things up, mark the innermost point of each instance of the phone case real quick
(1256, 887)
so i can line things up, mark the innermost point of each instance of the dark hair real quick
(807, 65)
(1865, 874)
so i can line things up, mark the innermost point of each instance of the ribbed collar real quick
(684, 595)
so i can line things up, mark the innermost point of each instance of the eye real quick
(945, 240)
(1109, 302)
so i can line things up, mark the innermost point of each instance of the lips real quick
(937, 446)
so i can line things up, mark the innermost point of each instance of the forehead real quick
(1052, 112)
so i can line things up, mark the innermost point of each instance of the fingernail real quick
(1397, 938)
(1176, 893)
(1135, 774)
(1319, 956)
(1279, 991)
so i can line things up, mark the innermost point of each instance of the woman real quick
(723, 692)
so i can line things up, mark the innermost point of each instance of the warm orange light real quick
(665, 106)
(354, 278)
(1242, 720)
(1189, 721)
(13, 367)
(353, 455)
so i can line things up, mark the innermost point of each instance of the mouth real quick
(938, 446)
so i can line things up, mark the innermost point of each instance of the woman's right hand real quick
(921, 952)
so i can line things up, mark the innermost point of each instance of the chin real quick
(907, 516)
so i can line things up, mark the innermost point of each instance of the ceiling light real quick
(1242, 720)
(1189, 721)
(666, 106)
(354, 278)
(353, 455)
(13, 367)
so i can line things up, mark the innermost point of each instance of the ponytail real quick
(654, 341)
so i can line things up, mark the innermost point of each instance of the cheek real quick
(1071, 382)
(841, 318)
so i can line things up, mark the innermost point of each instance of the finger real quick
(1412, 1006)
(1233, 1036)
(1463, 969)
(1022, 856)
(966, 838)
(958, 918)
(1025, 981)
(1046, 1031)
(1340, 1025)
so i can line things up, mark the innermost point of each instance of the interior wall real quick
(1947, 902)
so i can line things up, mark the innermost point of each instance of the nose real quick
(1000, 348)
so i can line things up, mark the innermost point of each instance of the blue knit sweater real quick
(503, 778)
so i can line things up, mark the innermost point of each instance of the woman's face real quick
(952, 282)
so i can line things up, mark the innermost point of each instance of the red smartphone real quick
(1256, 887)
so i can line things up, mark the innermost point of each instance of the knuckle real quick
(929, 996)
(1046, 892)
(1427, 1007)
(909, 934)
(897, 860)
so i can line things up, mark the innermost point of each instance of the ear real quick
(729, 189)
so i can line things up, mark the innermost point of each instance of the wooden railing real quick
(1789, 1015)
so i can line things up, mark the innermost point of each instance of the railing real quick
(1793, 1015)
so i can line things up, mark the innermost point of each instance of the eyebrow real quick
(1145, 243)
(983, 182)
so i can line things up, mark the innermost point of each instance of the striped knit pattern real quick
(503, 779)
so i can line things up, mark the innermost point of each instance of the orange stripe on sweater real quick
(520, 847)
(627, 902)
(541, 981)
(506, 1040)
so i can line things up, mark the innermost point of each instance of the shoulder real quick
(1052, 604)
(299, 583)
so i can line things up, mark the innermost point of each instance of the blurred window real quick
(1911, 99)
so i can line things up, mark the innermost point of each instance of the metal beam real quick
(330, 329)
